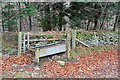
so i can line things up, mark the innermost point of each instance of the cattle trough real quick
(40, 50)
(50, 50)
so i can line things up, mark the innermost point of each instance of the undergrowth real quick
(83, 51)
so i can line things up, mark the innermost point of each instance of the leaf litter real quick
(95, 65)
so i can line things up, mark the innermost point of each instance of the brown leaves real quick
(94, 65)
(86, 65)
(19, 60)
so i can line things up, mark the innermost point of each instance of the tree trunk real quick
(95, 24)
(88, 24)
(1, 25)
(60, 22)
(30, 23)
(104, 14)
(9, 28)
(19, 20)
(95, 19)
(1, 19)
(102, 21)
(60, 16)
(29, 18)
(118, 25)
(116, 20)
(48, 17)
(97, 15)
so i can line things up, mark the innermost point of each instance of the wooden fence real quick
(24, 41)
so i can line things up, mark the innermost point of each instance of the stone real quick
(61, 63)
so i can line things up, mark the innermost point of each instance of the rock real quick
(14, 65)
(37, 68)
(18, 75)
(6, 56)
(61, 63)
(81, 70)
(23, 65)
(34, 74)
(21, 70)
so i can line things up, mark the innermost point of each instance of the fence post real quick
(28, 40)
(19, 43)
(68, 42)
(24, 40)
(1, 45)
(37, 55)
(73, 39)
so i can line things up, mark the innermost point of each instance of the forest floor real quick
(95, 65)
(98, 64)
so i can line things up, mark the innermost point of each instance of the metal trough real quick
(55, 49)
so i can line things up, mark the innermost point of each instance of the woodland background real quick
(44, 16)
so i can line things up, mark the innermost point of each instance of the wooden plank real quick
(19, 43)
(82, 43)
(43, 33)
(32, 40)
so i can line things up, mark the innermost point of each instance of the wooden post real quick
(0, 45)
(19, 43)
(73, 39)
(28, 40)
(24, 40)
(68, 41)
(37, 55)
